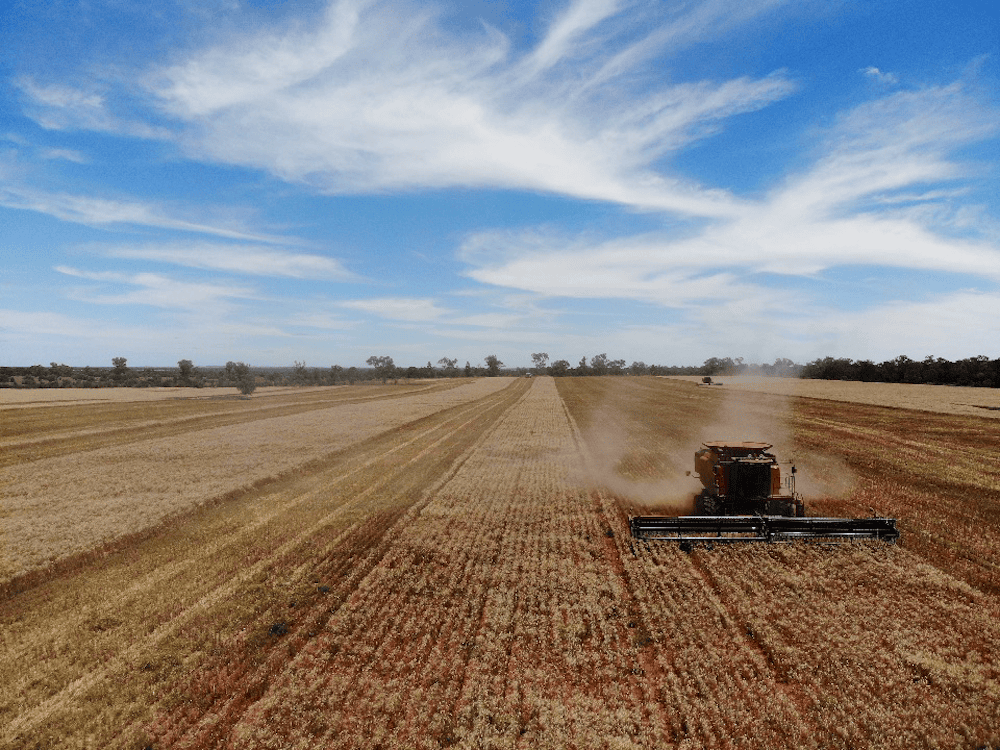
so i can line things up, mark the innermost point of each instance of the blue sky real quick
(662, 181)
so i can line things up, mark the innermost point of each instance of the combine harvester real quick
(745, 500)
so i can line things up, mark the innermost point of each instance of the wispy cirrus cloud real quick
(65, 154)
(96, 211)
(377, 96)
(877, 194)
(157, 290)
(61, 106)
(408, 309)
(253, 260)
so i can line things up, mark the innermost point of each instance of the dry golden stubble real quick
(182, 623)
(945, 399)
(502, 611)
(844, 634)
(66, 505)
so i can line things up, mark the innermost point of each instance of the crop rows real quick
(126, 636)
(132, 474)
(464, 576)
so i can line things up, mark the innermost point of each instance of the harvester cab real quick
(744, 498)
(743, 478)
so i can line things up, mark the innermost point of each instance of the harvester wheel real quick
(707, 505)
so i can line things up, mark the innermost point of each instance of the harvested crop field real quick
(980, 402)
(449, 565)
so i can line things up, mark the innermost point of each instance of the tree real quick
(450, 366)
(120, 374)
(300, 377)
(582, 369)
(385, 368)
(246, 381)
(559, 368)
(540, 360)
(187, 372)
(335, 371)
(716, 366)
(493, 365)
(599, 364)
(468, 369)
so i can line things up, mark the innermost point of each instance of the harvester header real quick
(744, 498)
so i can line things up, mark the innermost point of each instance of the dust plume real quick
(746, 413)
(638, 463)
(644, 457)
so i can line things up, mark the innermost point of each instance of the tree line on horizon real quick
(979, 371)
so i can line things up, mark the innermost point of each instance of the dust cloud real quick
(748, 414)
(612, 448)
(646, 462)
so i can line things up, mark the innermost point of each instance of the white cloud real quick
(375, 96)
(490, 320)
(878, 194)
(888, 79)
(93, 211)
(580, 17)
(63, 107)
(156, 290)
(954, 325)
(243, 259)
(818, 220)
(321, 320)
(65, 154)
(409, 309)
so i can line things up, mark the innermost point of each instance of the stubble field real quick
(448, 564)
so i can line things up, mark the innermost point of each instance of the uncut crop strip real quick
(57, 508)
(207, 582)
(946, 399)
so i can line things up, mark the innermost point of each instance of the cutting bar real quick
(732, 529)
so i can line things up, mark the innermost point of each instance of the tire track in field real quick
(372, 541)
(16, 451)
(612, 552)
(424, 443)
